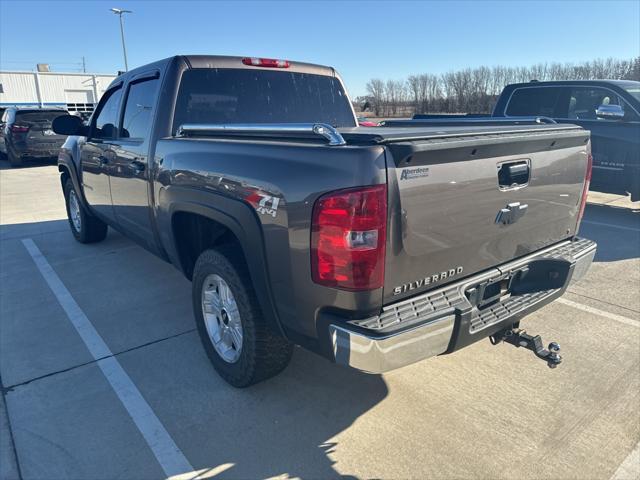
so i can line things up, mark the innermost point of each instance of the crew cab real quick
(374, 247)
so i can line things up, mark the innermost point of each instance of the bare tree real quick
(476, 90)
(413, 84)
(375, 89)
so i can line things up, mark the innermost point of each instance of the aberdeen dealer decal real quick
(409, 173)
(423, 282)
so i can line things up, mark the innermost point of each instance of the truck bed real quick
(393, 134)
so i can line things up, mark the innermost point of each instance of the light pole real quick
(119, 12)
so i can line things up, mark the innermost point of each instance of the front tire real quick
(634, 183)
(14, 160)
(241, 347)
(85, 227)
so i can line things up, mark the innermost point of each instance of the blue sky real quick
(361, 39)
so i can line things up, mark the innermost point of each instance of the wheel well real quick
(194, 234)
(65, 174)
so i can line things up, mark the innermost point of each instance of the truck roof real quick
(221, 61)
(619, 83)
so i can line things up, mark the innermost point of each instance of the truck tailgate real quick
(462, 204)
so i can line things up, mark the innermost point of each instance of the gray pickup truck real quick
(374, 247)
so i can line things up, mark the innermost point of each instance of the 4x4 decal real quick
(264, 204)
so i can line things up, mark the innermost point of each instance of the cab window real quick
(584, 101)
(138, 110)
(106, 118)
(534, 101)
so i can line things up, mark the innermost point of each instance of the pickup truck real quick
(609, 109)
(374, 247)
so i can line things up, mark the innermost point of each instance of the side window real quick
(138, 110)
(106, 120)
(532, 101)
(629, 114)
(584, 101)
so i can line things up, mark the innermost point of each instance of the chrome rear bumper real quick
(425, 325)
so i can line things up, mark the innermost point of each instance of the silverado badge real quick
(430, 280)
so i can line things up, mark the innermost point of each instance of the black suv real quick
(27, 133)
(610, 109)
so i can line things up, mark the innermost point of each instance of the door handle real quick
(138, 167)
(101, 160)
(513, 174)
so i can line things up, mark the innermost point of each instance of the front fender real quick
(66, 163)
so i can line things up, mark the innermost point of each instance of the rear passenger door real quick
(130, 189)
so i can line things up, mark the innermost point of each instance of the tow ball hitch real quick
(520, 338)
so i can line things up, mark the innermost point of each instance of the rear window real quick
(38, 117)
(260, 96)
(534, 101)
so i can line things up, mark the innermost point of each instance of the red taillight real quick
(585, 189)
(266, 62)
(348, 238)
(19, 128)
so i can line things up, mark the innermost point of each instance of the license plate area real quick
(494, 290)
(537, 276)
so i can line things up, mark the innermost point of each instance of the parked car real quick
(365, 122)
(374, 247)
(609, 109)
(27, 133)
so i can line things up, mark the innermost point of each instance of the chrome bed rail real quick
(296, 130)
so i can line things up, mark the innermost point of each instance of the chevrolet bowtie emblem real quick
(511, 213)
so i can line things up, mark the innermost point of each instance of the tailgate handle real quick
(513, 174)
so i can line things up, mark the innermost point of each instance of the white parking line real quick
(602, 313)
(611, 225)
(629, 469)
(170, 457)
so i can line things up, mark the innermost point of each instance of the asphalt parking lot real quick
(484, 412)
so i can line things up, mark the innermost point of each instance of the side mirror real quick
(69, 125)
(610, 112)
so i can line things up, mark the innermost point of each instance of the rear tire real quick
(85, 227)
(221, 282)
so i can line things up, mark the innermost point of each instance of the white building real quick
(73, 91)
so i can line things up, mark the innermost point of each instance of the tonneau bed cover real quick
(384, 135)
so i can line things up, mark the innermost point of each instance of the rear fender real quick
(235, 215)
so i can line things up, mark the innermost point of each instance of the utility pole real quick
(84, 66)
(120, 12)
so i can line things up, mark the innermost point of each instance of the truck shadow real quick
(28, 163)
(292, 425)
(287, 426)
(23, 230)
(615, 229)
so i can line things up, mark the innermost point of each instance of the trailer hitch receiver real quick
(520, 338)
